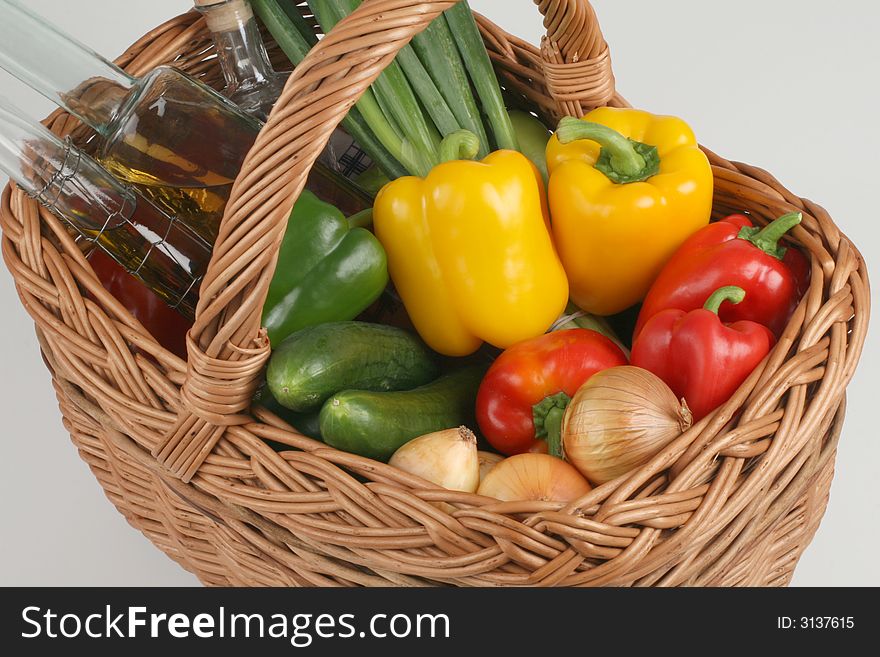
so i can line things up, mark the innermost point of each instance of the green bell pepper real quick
(326, 271)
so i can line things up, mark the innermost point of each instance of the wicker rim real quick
(724, 486)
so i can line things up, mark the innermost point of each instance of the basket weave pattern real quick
(733, 501)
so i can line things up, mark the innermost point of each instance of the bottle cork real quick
(224, 15)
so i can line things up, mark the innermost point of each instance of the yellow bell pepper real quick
(470, 251)
(626, 189)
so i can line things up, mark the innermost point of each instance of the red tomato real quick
(534, 379)
(167, 326)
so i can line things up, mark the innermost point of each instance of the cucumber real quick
(314, 363)
(375, 424)
(305, 423)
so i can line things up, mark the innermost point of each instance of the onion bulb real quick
(447, 458)
(618, 420)
(534, 477)
(488, 460)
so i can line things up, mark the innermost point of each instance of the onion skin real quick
(488, 460)
(447, 458)
(620, 419)
(534, 477)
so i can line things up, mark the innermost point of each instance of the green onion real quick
(438, 53)
(386, 104)
(424, 87)
(422, 97)
(355, 124)
(326, 14)
(285, 32)
(387, 133)
(473, 52)
(288, 35)
(396, 94)
(292, 12)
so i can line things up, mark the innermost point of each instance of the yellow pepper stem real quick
(459, 145)
(622, 160)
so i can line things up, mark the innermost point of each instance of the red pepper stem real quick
(730, 293)
(459, 145)
(767, 238)
(547, 415)
(622, 160)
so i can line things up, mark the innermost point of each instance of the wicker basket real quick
(184, 459)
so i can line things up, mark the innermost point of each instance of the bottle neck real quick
(240, 50)
(56, 173)
(145, 241)
(64, 70)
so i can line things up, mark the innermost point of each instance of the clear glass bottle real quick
(178, 140)
(254, 85)
(251, 82)
(157, 249)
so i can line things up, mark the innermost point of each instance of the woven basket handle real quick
(227, 347)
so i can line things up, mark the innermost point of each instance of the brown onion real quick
(618, 420)
(488, 460)
(447, 458)
(534, 477)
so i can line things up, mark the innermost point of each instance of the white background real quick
(788, 85)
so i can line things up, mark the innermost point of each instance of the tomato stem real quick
(547, 415)
(553, 424)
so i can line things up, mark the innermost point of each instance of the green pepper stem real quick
(767, 238)
(730, 293)
(622, 160)
(459, 145)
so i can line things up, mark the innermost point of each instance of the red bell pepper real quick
(699, 357)
(733, 252)
(166, 325)
(524, 393)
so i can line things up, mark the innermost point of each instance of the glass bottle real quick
(157, 249)
(254, 85)
(251, 82)
(178, 140)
